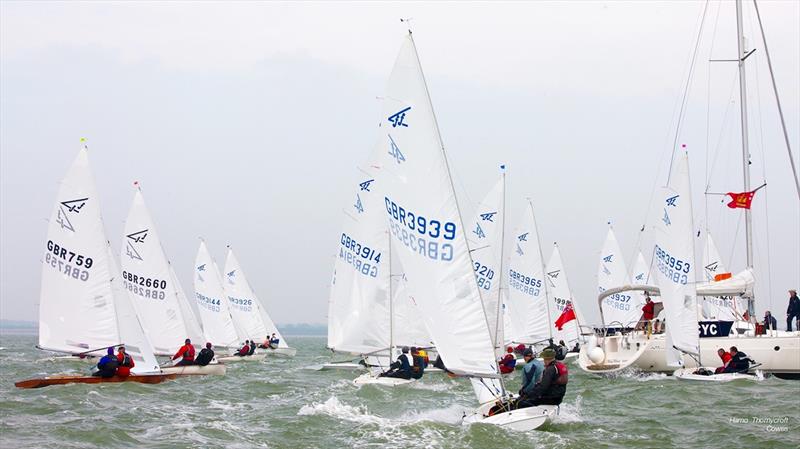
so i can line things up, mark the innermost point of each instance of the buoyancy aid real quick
(563, 373)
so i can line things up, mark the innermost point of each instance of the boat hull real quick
(688, 374)
(214, 369)
(62, 380)
(370, 379)
(524, 419)
(247, 358)
(281, 352)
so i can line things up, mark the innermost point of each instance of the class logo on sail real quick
(67, 207)
(479, 231)
(135, 238)
(519, 250)
(365, 185)
(488, 216)
(397, 119)
(608, 258)
(231, 275)
(359, 205)
(201, 269)
(523, 237)
(394, 151)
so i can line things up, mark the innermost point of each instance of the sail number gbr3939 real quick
(423, 235)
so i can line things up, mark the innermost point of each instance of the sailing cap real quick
(548, 354)
(527, 352)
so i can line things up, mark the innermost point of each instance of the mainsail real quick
(76, 305)
(485, 239)
(425, 224)
(408, 328)
(526, 302)
(358, 306)
(151, 286)
(674, 258)
(562, 295)
(641, 271)
(218, 325)
(246, 309)
(619, 309)
(723, 307)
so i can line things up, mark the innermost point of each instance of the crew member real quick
(418, 368)
(648, 310)
(205, 356)
(400, 368)
(274, 341)
(551, 389)
(252, 347)
(793, 311)
(770, 323)
(186, 353)
(508, 362)
(726, 358)
(125, 362)
(531, 374)
(244, 350)
(107, 366)
(739, 363)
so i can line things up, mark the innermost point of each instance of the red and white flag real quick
(566, 316)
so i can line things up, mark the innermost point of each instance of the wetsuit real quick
(205, 357)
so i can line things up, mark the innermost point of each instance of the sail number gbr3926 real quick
(423, 235)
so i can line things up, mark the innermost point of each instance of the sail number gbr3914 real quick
(423, 235)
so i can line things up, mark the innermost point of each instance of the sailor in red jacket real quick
(648, 310)
(125, 362)
(508, 362)
(186, 352)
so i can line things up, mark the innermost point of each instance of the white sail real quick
(561, 295)
(194, 330)
(131, 333)
(721, 306)
(147, 277)
(674, 258)
(425, 223)
(408, 328)
(246, 308)
(76, 303)
(215, 314)
(712, 262)
(485, 239)
(526, 302)
(358, 306)
(621, 309)
(641, 271)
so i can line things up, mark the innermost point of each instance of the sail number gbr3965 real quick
(674, 269)
(68, 262)
(423, 235)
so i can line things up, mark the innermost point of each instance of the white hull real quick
(651, 355)
(247, 358)
(688, 374)
(345, 366)
(214, 369)
(370, 379)
(523, 419)
(281, 352)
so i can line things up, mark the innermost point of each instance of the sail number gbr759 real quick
(420, 234)
(674, 269)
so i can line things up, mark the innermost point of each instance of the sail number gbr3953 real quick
(426, 236)
(674, 269)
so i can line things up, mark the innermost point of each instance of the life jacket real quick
(126, 360)
(563, 373)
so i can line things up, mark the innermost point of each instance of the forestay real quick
(619, 309)
(485, 240)
(562, 294)
(425, 224)
(148, 279)
(675, 267)
(526, 303)
(218, 325)
(246, 309)
(76, 303)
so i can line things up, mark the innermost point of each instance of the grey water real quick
(280, 403)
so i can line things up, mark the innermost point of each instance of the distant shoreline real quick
(19, 327)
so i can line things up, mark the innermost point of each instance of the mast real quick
(544, 272)
(498, 319)
(391, 302)
(748, 217)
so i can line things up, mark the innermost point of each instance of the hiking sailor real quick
(400, 368)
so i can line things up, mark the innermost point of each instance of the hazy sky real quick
(244, 122)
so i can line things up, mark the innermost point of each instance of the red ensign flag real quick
(742, 200)
(566, 316)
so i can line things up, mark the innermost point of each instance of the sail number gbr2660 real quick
(144, 286)
(674, 269)
(420, 234)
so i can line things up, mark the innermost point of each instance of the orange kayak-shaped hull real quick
(61, 380)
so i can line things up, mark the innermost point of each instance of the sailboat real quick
(619, 309)
(429, 239)
(150, 281)
(218, 324)
(246, 308)
(562, 297)
(83, 309)
(778, 354)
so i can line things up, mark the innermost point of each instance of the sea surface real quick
(280, 403)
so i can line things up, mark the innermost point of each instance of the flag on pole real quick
(742, 200)
(566, 316)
